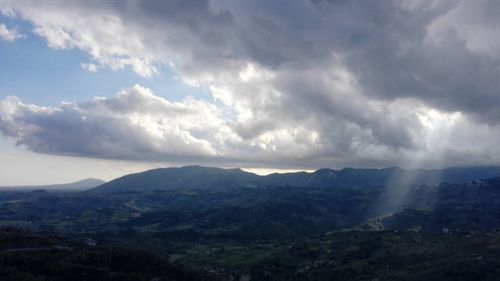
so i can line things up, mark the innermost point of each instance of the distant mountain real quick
(84, 184)
(197, 177)
(191, 177)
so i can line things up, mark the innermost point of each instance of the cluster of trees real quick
(44, 258)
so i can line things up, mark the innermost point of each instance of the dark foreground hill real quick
(348, 255)
(196, 177)
(28, 256)
(391, 232)
(406, 256)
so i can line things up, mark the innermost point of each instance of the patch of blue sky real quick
(37, 74)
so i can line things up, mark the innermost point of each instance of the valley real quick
(322, 230)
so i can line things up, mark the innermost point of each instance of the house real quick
(91, 243)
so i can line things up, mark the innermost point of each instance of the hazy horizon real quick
(257, 171)
(103, 89)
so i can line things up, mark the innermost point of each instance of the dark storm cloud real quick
(389, 47)
(330, 81)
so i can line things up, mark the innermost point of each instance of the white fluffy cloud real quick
(137, 125)
(134, 124)
(10, 34)
(307, 83)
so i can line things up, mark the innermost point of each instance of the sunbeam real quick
(400, 190)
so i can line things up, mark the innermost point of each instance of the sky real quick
(105, 88)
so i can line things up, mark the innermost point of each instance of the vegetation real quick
(29, 256)
(263, 232)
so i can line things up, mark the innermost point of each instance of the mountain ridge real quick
(200, 177)
(80, 185)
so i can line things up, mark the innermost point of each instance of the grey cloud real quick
(133, 125)
(385, 44)
(100, 129)
(333, 81)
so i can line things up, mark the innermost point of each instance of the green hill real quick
(197, 177)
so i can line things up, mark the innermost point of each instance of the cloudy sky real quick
(105, 88)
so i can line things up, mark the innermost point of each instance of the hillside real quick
(28, 256)
(260, 213)
(192, 177)
(391, 232)
(197, 177)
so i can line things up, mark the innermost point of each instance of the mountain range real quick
(198, 177)
(349, 224)
(80, 185)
